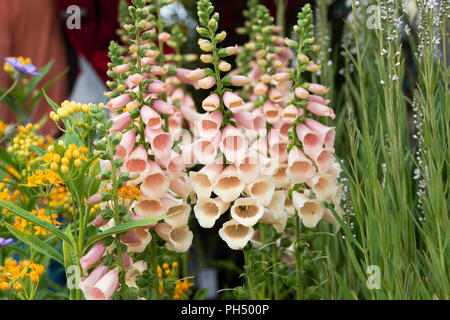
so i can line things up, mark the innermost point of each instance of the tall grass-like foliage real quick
(397, 158)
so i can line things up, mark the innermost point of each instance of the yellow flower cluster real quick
(181, 286)
(60, 197)
(14, 273)
(23, 225)
(3, 127)
(7, 196)
(72, 156)
(26, 136)
(129, 192)
(68, 108)
(47, 178)
(4, 192)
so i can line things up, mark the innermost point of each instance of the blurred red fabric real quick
(98, 27)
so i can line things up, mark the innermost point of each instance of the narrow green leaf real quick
(38, 151)
(36, 243)
(33, 219)
(4, 155)
(47, 86)
(345, 291)
(347, 231)
(125, 227)
(50, 101)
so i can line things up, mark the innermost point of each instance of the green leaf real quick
(201, 294)
(36, 243)
(345, 291)
(123, 227)
(36, 79)
(33, 219)
(39, 151)
(47, 86)
(344, 226)
(4, 155)
(70, 255)
(50, 101)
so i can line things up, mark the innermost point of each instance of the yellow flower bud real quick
(17, 286)
(64, 169)
(77, 163)
(224, 66)
(206, 58)
(65, 161)
(54, 166)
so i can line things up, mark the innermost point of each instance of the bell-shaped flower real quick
(202, 181)
(208, 210)
(156, 184)
(233, 102)
(300, 168)
(150, 118)
(262, 190)
(93, 255)
(149, 209)
(180, 240)
(205, 149)
(137, 160)
(327, 134)
(247, 211)
(310, 210)
(233, 144)
(229, 184)
(324, 186)
(235, 235)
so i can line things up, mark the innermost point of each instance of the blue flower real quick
(5, 242)
(20, 66)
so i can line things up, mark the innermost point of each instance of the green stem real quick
(297, 257)
(154, 264)
(250, 284)
(275, 276)
(281, 8)
(117, 218)
(9, 90)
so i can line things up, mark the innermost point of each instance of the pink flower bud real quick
(239, 81)
(211, 103)
(196, 74)
(261, 89)
(164, 37)
(320, 110)
(94, 254)
(282, 76)
(233, 102)
(301, 93)
(157, 87)
(275, 95)
(118, 102)
(121, 122)
(163, 107)
(158, 70)
(121, 68)
(317, 88)
(137, 78)
(207, 83)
